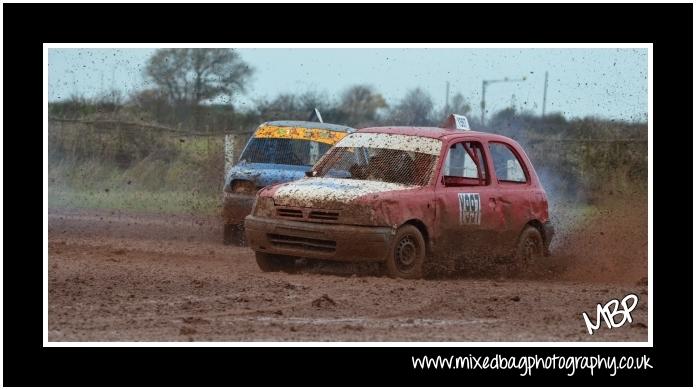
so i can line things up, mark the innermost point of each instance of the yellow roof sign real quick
(300, 133)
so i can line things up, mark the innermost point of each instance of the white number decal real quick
(462, 122)
(469, 208)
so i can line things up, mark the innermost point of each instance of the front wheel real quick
(407, 255)
(233, 234)
(274, 263)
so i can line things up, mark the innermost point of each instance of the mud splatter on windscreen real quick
(389, 158)
(378, 164)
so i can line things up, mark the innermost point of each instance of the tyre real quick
(233, 235)
(407, 256)
(274, 263)
(530, 248)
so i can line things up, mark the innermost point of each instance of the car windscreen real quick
(378, 164)
(283, 151)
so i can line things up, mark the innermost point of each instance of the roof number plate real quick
(461, 122)
(456, 122)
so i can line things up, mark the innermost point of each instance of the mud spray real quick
(605, 241)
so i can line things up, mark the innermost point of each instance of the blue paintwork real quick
(266, 174)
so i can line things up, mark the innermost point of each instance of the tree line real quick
(192, 90)
(195, 88)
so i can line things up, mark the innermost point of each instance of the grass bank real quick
(173, 202)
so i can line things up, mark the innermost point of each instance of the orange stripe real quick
(300, 133)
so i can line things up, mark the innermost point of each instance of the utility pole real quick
(546, 86)
(483, 92)
(447, 98)
(74, 84)
(113, 83)
(483, 101)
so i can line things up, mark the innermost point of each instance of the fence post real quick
(229, 152)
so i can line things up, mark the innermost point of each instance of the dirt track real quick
(134, 277)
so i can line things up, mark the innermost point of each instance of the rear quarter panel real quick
(518, 203)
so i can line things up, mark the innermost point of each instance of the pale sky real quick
(609, 83)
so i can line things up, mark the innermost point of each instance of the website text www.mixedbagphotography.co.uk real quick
(527, 364)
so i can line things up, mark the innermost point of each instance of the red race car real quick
(404, 196)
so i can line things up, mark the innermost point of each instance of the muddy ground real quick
(116, 276)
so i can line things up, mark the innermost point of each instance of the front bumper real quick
(235, 207)
(318, 240)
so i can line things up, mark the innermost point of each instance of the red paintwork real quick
(505, 208)
(430, 132)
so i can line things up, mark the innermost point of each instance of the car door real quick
(513, 190)
(466, 212)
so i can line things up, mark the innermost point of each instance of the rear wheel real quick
(407, 254)
(274, 263)
(529, 248)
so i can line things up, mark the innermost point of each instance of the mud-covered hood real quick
(329, 193)
(266, 174)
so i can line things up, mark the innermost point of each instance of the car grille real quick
(284, 241)
(304, 214)
(290, 213)
(324, 215)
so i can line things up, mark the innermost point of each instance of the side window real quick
(316, 150)
(459, 161)
(507, 166)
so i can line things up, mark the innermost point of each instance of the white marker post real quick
(229, 153)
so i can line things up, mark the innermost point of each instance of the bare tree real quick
(292, 106)
(189, 77)
(284, 106)
(167, 69)
(459, 105)
(415, 109)
(310, 100)
(360, 103)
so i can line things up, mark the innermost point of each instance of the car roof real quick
(312, 125)
(433, 132)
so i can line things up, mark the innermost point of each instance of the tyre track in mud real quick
(117, 276)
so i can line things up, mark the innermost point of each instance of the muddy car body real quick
(402, 195)
(278, 152)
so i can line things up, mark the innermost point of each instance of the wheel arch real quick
(535, 223)
(423, 228)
